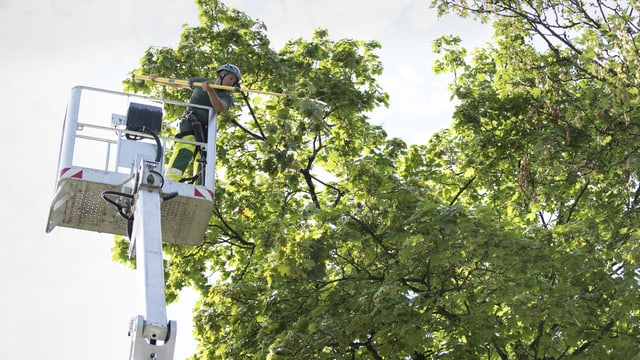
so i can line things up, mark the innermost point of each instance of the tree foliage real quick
(511, 235)
(547, 129)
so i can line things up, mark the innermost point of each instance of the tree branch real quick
(230, 231)
(575, 202)
(251, 133)
(461, 190)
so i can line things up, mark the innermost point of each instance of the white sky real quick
(63, 297)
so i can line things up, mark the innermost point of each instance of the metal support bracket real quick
(143, 349)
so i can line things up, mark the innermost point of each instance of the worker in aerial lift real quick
(193, 123)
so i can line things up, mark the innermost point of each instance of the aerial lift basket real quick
(98, 155)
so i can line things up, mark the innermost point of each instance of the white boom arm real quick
(152, 338)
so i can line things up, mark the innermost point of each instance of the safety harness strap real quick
(196, 127)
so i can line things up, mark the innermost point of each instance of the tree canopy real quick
(511, 235)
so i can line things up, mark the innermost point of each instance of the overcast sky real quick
(63, 297)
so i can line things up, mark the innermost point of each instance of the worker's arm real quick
(218, 104)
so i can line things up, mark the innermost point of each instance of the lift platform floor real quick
(78, 204)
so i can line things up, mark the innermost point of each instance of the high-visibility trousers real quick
(182, 155)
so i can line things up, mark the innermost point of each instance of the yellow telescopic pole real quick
(186, 84)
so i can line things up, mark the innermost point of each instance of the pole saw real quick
(188, 84)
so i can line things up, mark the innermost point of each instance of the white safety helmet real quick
(232, 69)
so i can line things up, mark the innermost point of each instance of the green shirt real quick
(200, 97)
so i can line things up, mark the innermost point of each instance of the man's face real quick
(228, 78)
